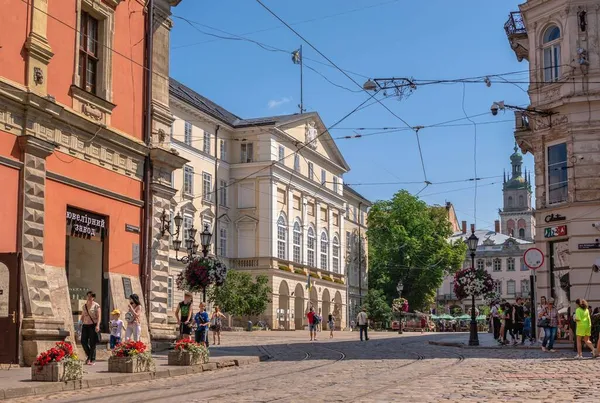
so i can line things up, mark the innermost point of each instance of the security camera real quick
(494, 109)
(596, 225)
(596, 266)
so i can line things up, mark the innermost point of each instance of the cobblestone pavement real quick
(386, 368)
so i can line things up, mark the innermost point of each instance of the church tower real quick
(517, 216)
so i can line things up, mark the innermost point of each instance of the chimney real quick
(464, 227)
(497, 226)
(473, 228)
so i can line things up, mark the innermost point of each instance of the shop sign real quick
(553, 232)
(554, 217)
(85, 224)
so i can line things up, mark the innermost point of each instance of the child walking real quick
(116, 328)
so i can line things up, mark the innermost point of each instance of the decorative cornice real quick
(39, 48)
(38, 147)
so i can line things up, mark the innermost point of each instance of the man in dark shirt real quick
(519, 320)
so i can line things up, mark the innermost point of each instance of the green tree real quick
(378, 309)
(408, 242)
(240, 295)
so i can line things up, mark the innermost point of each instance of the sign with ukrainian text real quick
(553, 232)
(85, 225)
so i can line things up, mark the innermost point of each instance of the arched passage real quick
(337, 309)
(283, 311)
(298, 306)
(326, 303)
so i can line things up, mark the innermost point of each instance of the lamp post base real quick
(473, 337)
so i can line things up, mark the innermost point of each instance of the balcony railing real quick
(515, 24)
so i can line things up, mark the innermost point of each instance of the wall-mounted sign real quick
(589, 245)
(554, 217)
(533, 258)
(84, 224)
(553, 232)
(135, 253)
(132, 228)
(127, 289)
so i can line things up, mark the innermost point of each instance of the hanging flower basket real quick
(472, 282)
(59, 364)
(201, 272)
(400, 305)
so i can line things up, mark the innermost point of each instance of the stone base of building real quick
(39, 335)
(162, 337)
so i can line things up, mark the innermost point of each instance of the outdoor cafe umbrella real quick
(482, 317)
(463, 317)
(445, 317)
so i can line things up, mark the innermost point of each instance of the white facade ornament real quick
(311, 135)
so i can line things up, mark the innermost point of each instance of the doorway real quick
(85, 257)
(9, 308)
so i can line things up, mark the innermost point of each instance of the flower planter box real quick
(51, 372)
(123, 364)
(183, 358)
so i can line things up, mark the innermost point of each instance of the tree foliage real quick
(408, 243)
(240, 295)
(378, 309)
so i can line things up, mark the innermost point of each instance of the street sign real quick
(533, 258)
(595, 245)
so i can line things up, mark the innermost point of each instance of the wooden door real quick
(9, 308)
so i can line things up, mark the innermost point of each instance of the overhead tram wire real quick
(474, 152)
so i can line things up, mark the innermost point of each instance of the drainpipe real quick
(147, 215)
(216, 236)
(359, 258)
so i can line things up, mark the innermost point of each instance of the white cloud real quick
(275, 103)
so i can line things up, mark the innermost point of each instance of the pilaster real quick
(330, 239)
(290, 221)
(38, 48)
(317, 234)
(305, 226)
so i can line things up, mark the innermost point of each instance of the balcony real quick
(517, 35)
(524, 131)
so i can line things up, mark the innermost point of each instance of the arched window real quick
(551, 46)
(324, 251)
(297, 241)
(509, 203)
(281, 238)
(522, 233)
(521, 201)
(310, 247)
(336, 254)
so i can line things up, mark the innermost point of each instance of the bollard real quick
(249, 326)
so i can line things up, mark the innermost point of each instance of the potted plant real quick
(59, 363)
(188, 352)
(131, 356)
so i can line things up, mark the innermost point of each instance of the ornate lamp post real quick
(472, 242)
(400, 288)
(205, 237)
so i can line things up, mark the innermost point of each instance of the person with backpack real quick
(313, 322)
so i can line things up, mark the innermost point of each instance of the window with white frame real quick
(223, 193)
(311, 171)
(281, 238)
(525, 287)
(223, 150)
(247, 152)
(510, 264)
(480, 264)
(223, 242)
(297, 241)
(335, 251)
(497, 264)
(188, 222)
(281, 154)
(296, 163)
(335, 184)
(551, 49)
(206, 143)
(207, 186)
(324, 251)
(558, 180)
(511, 287)
(310, 247)
(188, 180)
(187, 133)
(498, 286)
(170, 292)
(354, 214)
(323, 176)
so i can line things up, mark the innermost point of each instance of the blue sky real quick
(431, 39)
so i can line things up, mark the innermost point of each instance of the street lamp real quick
(205, 240)
(501, 106)
(399, 288)
(472, 242)
(402, 86)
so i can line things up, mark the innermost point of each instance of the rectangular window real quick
(499, 287)
(281, 196)
(311, 171)
(188, 222)
(310, 207)
(336, 219)
(281, 154)
(552, 63)
(323, 177)
(247, 152)
(324, 255)
(206, 142)
(335, 184)
(207, 186)
(497, 265)
(510, 264)
(223, 150)
(310, 252)
(354, 214)
(223, 193)
(558, 181)
(511, 287)
(362, 217)
(297, 203)
(480, 264)
(223, 242)
(324, 214)
(297, 246)
(188, 180)
(296, 163)
(170, 292)
(525, 288)
(187, 133)
(88, 53)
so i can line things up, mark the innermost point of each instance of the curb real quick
(462, 345)
(118, 378)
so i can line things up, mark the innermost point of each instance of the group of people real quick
(91, 317)
(314, 323)
(511, 319)
(199, 323)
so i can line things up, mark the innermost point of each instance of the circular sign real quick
(533, 258)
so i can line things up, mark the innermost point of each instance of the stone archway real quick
(283, 310)
(326, 304)
(298, 307)
(337, 310)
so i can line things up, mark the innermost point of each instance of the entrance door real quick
(9, 308)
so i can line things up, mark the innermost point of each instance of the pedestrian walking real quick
(116, 328)
(496, 323)
(519, 321)
(133, 318)
(184, 315)
(202, 322)
(331, 324)
(312, 318)
(363, 324)
(584, 327)
(540, 308)
(508, 324)
(91, 315)
(549, 321)
(596, 327)
(216, 321)
(527, 328)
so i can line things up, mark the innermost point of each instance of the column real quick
(40, 327)
(305, 225)
(317, 234)
(290, 222)
(343, 246)
(330, 233)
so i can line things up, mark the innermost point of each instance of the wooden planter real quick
(123, 364)
(51, 372)
(183, 358)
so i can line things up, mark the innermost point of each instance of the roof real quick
(485, 235)
(348, 189)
